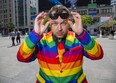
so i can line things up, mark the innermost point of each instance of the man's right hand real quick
(39, 26)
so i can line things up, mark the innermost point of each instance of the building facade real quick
(102, 14)
(20, 13)
(6, 14)
(113, 3)
(97, 11)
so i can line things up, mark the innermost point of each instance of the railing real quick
(96, 25)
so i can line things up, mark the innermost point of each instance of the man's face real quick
(59, 27)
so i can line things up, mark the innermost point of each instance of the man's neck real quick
(59, 39)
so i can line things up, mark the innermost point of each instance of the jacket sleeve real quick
(27, 50)
(92, 49)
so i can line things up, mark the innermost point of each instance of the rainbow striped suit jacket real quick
(44, 49)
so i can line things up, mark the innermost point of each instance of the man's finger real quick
(76, 16)
(42, 22)
(70, 23)
(40, 16)
(46, 25)
(75, 13)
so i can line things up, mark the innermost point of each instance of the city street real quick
(99, 71)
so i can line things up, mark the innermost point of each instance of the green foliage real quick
(10, 26)
(114, 21)
(86, 19)
(46, 20)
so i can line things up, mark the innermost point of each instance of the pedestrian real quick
(12, 36)
(26, 34)
(18, 37)
(59, 52)
(112, 32)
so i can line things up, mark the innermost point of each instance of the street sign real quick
(92, 9)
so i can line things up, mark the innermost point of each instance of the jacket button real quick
(61, 71)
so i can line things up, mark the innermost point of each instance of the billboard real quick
(47, 4)
(105, 18)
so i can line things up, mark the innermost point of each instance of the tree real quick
(10, 26)
(114, 22)
(86, 19)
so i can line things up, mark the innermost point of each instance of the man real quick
(18, 40)
(12, 36)
(59, 52)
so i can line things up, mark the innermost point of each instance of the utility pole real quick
(91, 1)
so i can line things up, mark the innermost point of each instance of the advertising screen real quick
(47, 4)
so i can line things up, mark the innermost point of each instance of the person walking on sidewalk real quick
(12, 36)
(59, 52)
(18, 37)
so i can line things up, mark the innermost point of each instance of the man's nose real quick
(59, 27)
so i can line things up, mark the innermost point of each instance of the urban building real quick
(96, 11)
(20, 13)
(6, 14)
(113, 3)
(102, 14)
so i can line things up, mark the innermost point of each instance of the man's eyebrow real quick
(64, 21)
(61, 22)
(53, 21)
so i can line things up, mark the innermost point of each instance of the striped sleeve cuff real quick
(34, 37)
(84, 38)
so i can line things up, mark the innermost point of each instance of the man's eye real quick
(64, 23)
(54, 23)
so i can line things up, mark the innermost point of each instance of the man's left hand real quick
(77, 26)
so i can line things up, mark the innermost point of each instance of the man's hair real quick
(59, 9)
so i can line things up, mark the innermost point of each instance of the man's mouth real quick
(60, 33)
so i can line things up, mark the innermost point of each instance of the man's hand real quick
(77, 26)
(39, 26)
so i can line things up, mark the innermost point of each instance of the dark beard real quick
(56, 39)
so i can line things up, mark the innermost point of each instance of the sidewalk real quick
(103, 71)
(12, 71)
